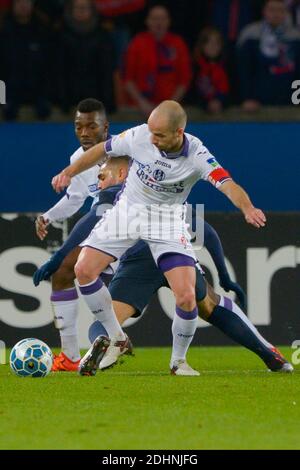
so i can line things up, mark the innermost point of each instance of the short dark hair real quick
(116, 160)
(90, 105)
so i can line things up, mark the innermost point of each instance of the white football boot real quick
(116, 349)
(181, 367)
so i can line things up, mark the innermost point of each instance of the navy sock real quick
(96, 329)
(234, 324)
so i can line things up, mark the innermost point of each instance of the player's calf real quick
(228, 317)
(65, 307)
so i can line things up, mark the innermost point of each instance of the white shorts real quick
(122, 227)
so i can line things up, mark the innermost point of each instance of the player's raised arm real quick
(88, 159)
(241, 200)
(210, 170)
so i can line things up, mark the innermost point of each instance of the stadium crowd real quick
(136, 53)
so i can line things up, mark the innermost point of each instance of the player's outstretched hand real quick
(41, 227)
(229, 285)
(46, 270)
(255, 217)
(60, 182)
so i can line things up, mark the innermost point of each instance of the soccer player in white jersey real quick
(91, 127)
(167, 162)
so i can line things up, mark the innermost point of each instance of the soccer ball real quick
(31, 357)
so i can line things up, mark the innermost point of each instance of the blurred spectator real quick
(86, 57)
(293, 7)
(158, 64)
(121, 18)
(188, 17)
(5, 5)
(24, 56)
(112, 8)
(211, 80)
(231, 16)
(269, 58)
(50, 12)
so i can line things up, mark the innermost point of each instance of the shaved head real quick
(166, 124)
(171, 113)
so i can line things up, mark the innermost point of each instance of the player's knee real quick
(185, 299)
(83, 273)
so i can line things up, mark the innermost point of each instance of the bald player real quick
(167, 162)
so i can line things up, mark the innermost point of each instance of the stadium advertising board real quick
(265, 262)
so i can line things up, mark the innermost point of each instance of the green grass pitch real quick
(234, 404)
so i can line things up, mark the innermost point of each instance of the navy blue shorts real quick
(138, 278)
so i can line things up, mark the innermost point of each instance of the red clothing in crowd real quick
(211, 79)
(157, 68)
(5, 4)
(111, 8)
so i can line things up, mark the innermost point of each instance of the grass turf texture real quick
(234, 404)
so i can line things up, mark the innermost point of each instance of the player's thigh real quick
(92, 261)
(70, 260)
(176, 259)
(182, 280)
(201, 287)
(64, 277)
(135, 283)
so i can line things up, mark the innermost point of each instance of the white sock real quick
(99, 300)
(65, 306)
(183, 330)
(69, 346)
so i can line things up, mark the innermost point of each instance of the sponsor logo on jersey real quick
(213, 162)
(159, 175)
(93, 187)
(151, 179)
(166, 165)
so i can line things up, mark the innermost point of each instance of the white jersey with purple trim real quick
(82, 186)
(159, 178)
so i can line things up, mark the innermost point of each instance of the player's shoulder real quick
(196, 146)
(197, 152)
(114, 189)
(137, 132)
(77, 154)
